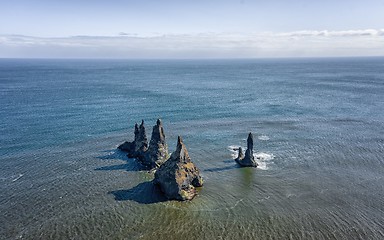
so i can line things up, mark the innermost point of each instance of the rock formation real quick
(127, 146)
(141, 141)
(151, 156)
(139, 146)
(178, 176)
(158, 149)
(157, 152)
(241, 154)
(248, 160)
(130, 146)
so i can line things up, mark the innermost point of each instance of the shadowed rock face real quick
(178, 176)
(248, 160)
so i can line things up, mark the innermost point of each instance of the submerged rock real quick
(248, 160)
(157, 152)
(178, 176)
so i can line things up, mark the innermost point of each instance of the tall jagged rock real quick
(178, 176)
(130, 146)
(157, 152)
(249, 152)
(139, 146)
(141, 141)
(152, 155)
(248, 160)
(136, 132)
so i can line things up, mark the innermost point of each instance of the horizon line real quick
(201, 58)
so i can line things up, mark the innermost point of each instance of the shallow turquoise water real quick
(318, 125)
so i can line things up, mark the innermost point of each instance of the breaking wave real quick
(262, 158)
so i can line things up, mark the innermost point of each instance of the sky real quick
(190, 28)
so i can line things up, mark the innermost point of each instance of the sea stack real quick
(151, 156)
(178, 176)
(139, 146)
(157, 152)
(141, 141)
(248, 160)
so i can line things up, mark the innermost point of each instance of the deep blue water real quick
(319, 127)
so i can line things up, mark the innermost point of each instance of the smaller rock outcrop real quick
(178, 176)
(127, 146)
(241, 154)
(248, 160)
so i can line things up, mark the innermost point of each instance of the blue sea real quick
(319, 136)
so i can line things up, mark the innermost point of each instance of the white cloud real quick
(348, 33)
(369, 42)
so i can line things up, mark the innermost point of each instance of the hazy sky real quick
(191, 28)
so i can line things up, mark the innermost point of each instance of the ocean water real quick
(319, 135)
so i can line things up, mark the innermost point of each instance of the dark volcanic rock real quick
(248, 160)
(139, 146)
(127, 147)
(241, 154)
(158, 150)
(141, 141)
(178, 176)
(151, 156)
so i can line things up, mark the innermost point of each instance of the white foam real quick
(264, 156)
(263, 159)
(234, 149)
(17, 178)
(263, 137)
